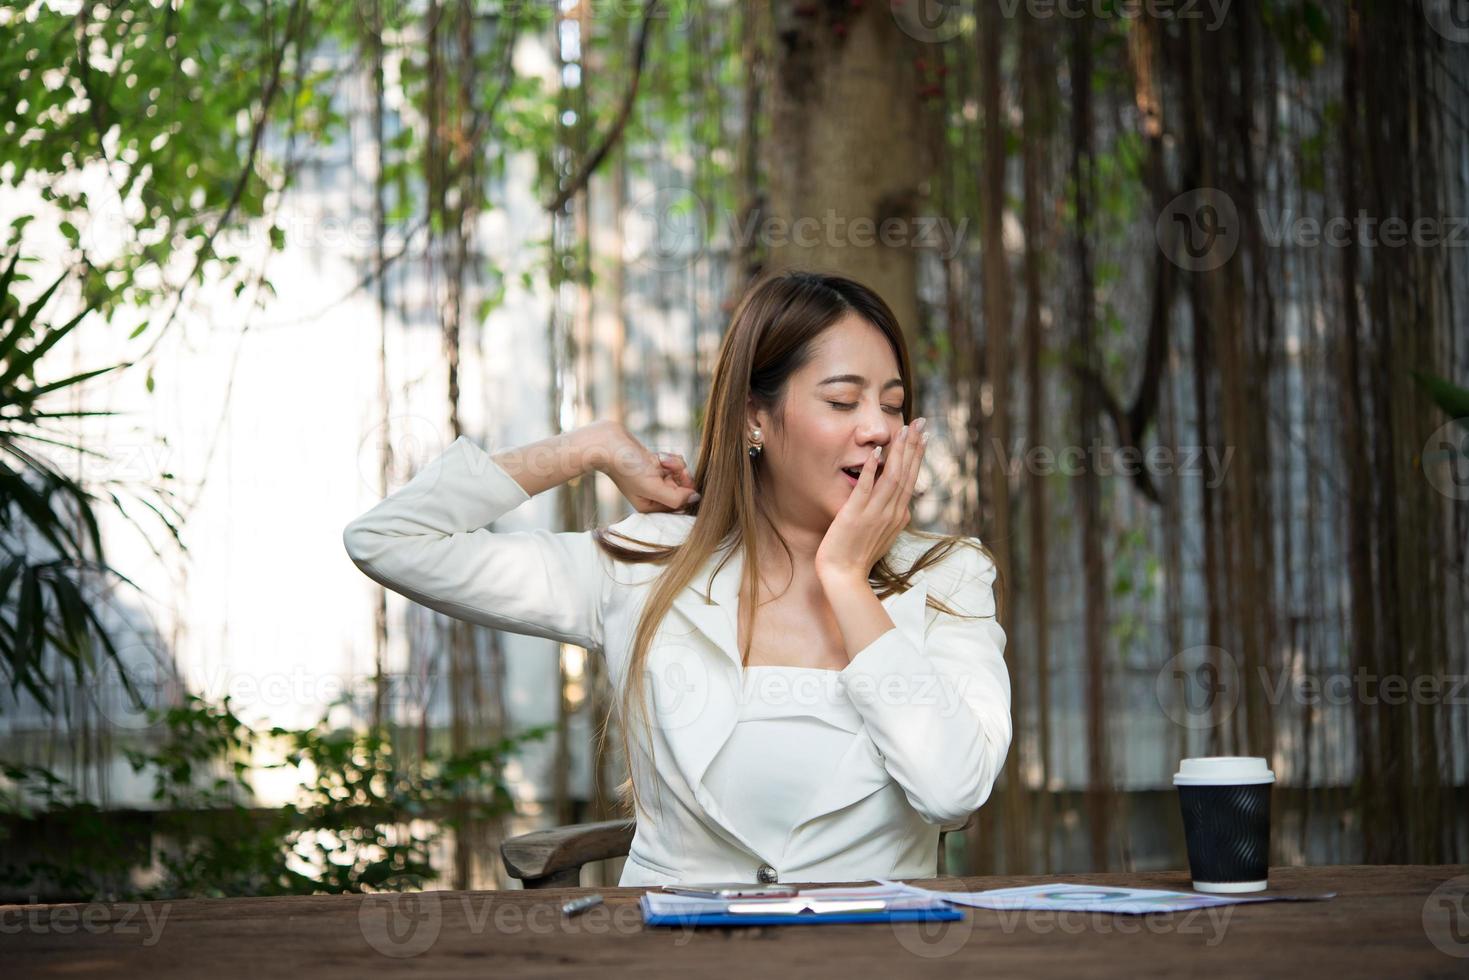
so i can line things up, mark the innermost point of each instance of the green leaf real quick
(1446, 395)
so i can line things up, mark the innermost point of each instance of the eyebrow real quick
(857, 379)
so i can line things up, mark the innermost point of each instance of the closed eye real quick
(848, 406)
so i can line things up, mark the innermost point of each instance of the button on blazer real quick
(932, 694)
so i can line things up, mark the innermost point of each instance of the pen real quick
(577, 905)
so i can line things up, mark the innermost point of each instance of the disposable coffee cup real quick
(1226, 821)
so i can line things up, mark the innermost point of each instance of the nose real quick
(876, 430)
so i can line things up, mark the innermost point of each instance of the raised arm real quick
(555, 460)
(428, 540)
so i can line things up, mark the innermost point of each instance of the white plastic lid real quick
(1223, 770)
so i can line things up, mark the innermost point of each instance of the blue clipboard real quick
(946, 913)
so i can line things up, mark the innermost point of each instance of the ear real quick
(754, 417)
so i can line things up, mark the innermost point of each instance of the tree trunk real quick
(845, 147)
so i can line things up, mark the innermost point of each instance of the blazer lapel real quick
(705, 666)
(714, 616)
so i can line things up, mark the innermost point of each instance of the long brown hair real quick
(770, 337)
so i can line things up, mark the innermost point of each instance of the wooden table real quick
(1386, 921)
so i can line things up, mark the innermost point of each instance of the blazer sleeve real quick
(428, 541)
(940, 716)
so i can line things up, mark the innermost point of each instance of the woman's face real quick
(847, 400)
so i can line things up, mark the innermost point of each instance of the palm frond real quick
(52, 545)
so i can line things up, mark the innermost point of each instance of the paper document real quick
(1064, 897)
(818, 900)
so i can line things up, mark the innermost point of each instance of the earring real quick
(755, 448)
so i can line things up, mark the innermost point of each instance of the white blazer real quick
(933, 694)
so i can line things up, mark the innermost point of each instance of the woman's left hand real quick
(868, 523)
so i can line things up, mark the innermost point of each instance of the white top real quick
(795, 724)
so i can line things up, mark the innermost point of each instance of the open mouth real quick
(854, 473)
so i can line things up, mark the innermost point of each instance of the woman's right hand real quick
(652, 482)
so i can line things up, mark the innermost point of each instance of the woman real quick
(828, 738)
